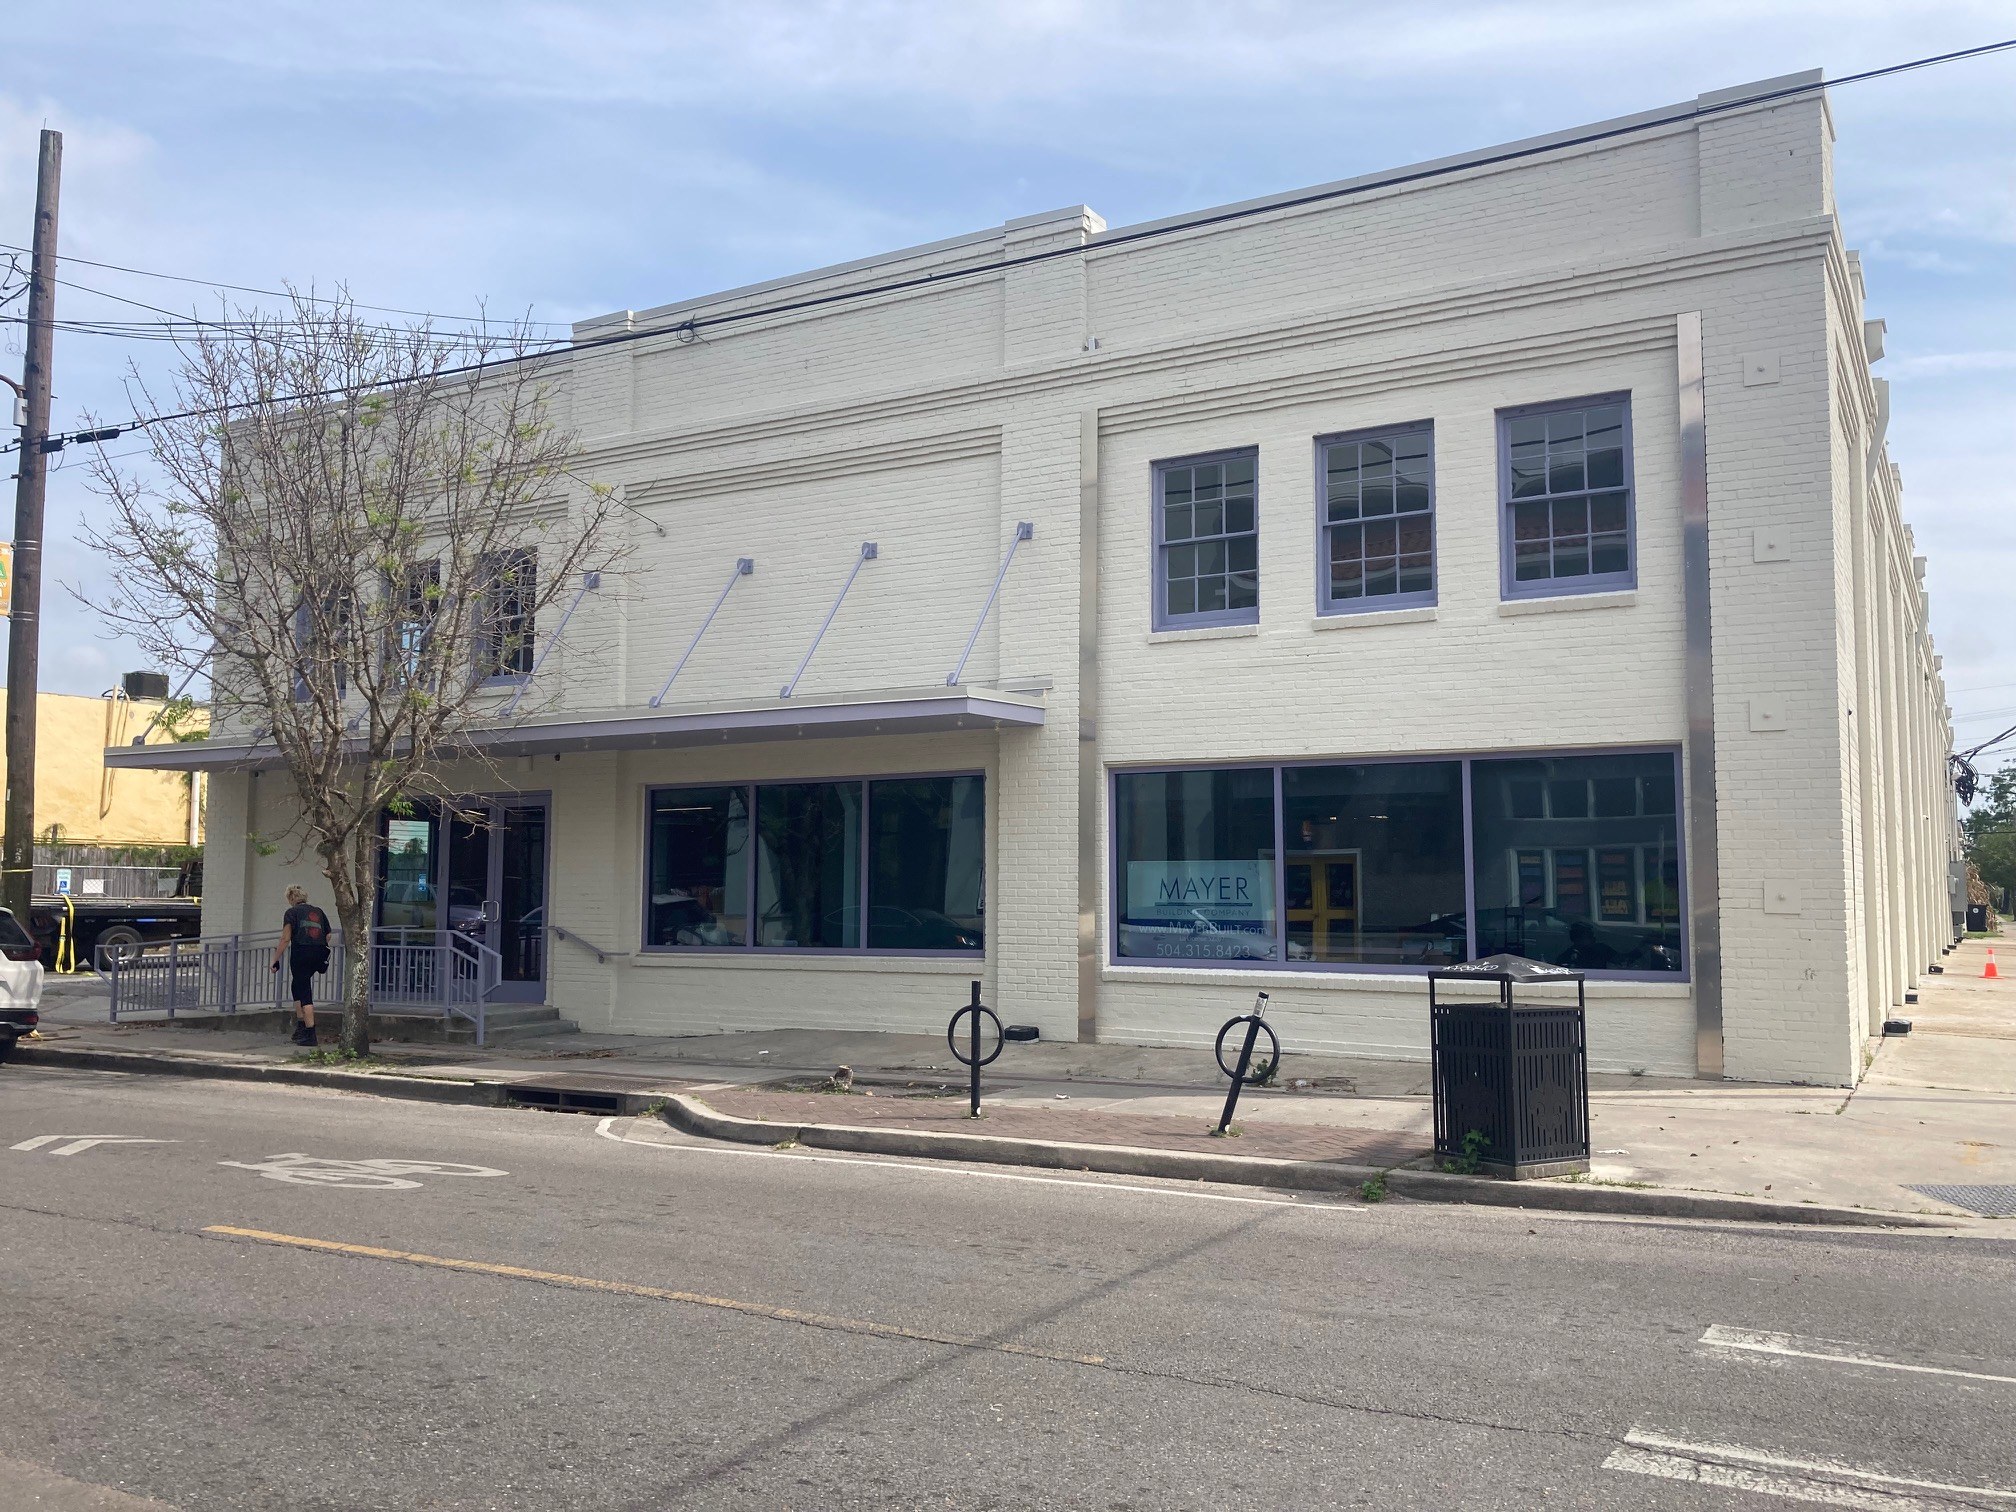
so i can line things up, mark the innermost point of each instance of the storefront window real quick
(1578, 861)
(1571, 860)
(406, 897)
(927, 864)
(1195, 852)
(699, 867)
(922, 886)
(1374, 863)
(808, 865)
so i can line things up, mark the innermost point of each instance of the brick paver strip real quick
(1153, 1131)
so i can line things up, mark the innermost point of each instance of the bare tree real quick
(354, 528)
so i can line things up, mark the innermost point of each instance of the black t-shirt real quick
(309, 940)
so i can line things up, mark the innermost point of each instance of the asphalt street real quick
(304, 1299)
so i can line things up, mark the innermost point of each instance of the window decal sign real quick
(1183, 892)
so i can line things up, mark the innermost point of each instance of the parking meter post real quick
(975, 1005)
(1239, 1075)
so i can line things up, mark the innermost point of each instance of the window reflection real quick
(699, 867)
(1374, 863)
(1578, 861)
(1196, 865)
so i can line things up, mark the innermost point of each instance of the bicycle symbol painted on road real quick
(377, 1175)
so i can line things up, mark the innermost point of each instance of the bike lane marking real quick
(384, 1175)
(653, 1293)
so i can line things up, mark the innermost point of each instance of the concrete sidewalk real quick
(1936, 1108)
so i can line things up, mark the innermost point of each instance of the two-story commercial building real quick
(1499, 554)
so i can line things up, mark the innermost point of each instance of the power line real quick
(692, 325)
(211, 283)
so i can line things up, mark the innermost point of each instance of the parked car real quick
(20, 982)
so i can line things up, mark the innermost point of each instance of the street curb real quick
(690, 1115)
(438, 1089)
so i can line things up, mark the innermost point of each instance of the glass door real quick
(495, 890)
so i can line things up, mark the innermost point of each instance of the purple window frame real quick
(1161, 618)
(750, 790)
(1420, 598)
(1609, 582)
(1468, 759)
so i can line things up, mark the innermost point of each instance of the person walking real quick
(304, 945)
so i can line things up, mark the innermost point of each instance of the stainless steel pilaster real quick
(1704, 891)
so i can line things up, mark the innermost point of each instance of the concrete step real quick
(511, 1021)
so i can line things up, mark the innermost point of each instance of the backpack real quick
(311, 940)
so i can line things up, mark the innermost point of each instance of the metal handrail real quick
(602, 957)
(437, 970)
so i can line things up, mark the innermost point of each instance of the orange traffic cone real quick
(1989, 970)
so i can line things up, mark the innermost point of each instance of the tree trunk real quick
(356, 925)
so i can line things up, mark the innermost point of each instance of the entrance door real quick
(496, 887)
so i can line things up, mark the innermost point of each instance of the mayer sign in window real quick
(1196, 852)
(893, 865)
(1572, 860)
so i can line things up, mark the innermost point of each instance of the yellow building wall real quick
(90, 804)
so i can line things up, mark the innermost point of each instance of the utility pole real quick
(24, 641)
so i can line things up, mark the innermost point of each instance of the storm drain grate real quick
(564, 1099)
(1988, 1201)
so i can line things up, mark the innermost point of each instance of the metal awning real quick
(898, 711)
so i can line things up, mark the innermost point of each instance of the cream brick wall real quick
(932, 420)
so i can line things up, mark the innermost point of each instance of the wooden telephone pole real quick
(24, 641)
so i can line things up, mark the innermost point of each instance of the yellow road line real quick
(656, 1293)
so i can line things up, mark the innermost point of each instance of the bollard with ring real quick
(1241, 1074)
(969, 1054)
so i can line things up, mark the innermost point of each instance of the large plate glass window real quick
(699, 881)
(1578, 861)
(1378, 519)
(927, 864)
(1195, 852)
(1374, 863)
(1565, 485)
(883, 865)
(1207, 542)
(808, 865)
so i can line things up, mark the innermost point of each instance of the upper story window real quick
(504, 639)
(1565, 482)
(1207, 542)
(1378, 519)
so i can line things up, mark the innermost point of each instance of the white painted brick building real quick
(1753, 885)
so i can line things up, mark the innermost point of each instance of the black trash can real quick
(1977, 918)
(1511, 1080)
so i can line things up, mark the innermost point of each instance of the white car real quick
(20, 982)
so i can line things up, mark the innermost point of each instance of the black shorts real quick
(304, 984)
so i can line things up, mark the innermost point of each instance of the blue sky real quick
(571, 159)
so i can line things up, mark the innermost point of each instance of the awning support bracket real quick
(1024, 530)
(743, 567)
(589, 580)
(868, 554)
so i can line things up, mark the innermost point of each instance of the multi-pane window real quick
(895, 865)
(1571, 860)
(504, 638)
(1378, 520)
(1207, 542)
(415, 592)
(1566, 483)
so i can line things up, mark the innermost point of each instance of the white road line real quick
(1740, 1469)
(1832, 1351)
(1093, 1185)
(82, 1142)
